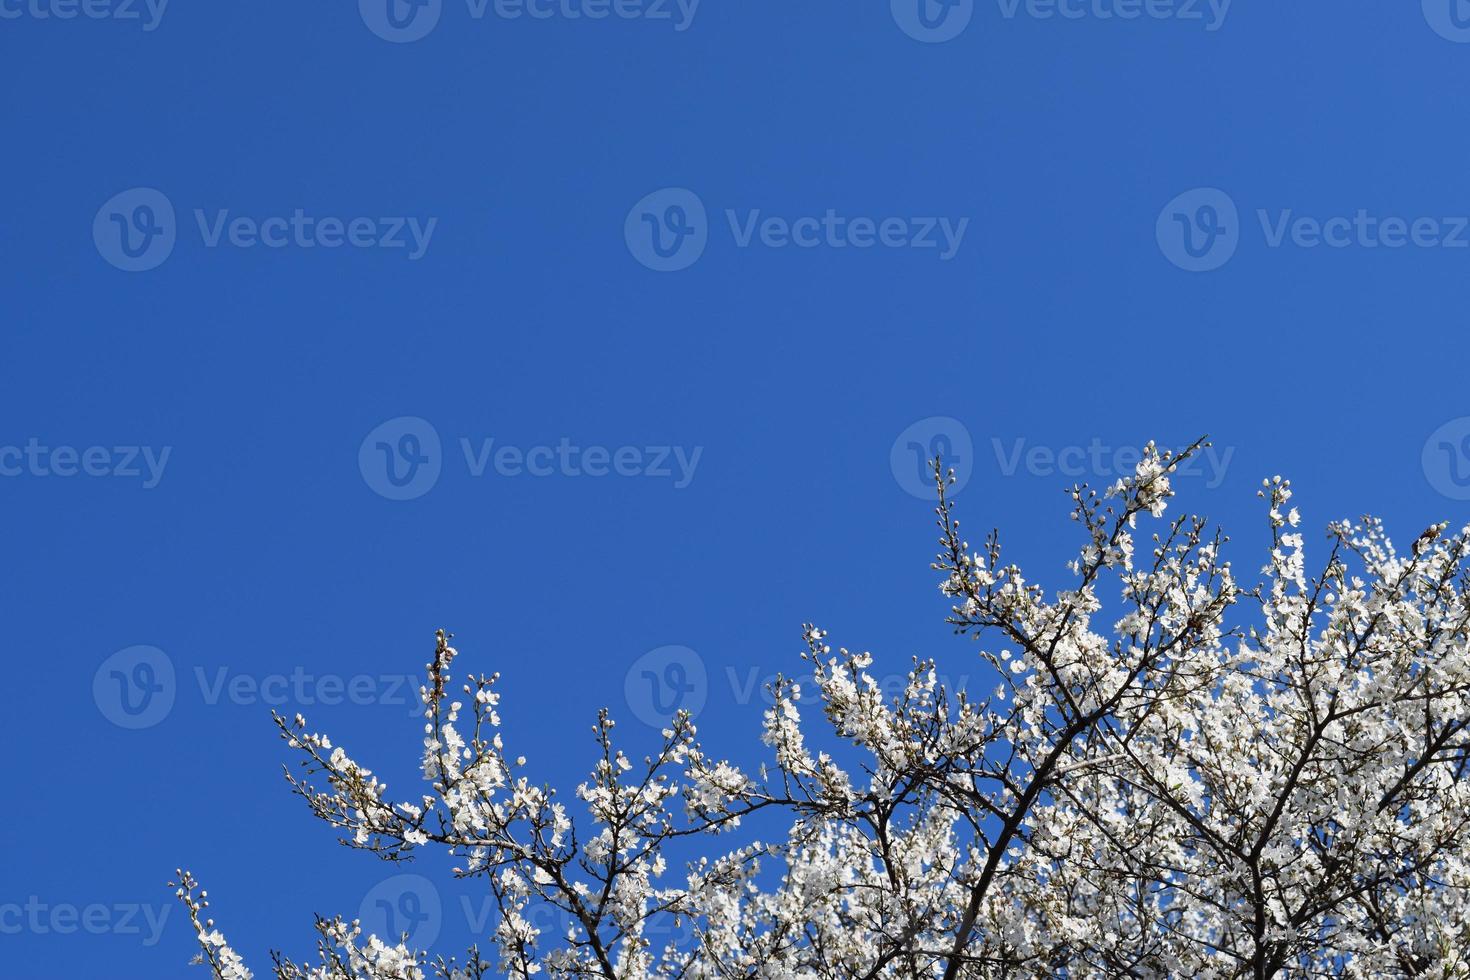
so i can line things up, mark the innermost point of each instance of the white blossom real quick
(1230, 781)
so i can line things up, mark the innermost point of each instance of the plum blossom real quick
(1230, 780)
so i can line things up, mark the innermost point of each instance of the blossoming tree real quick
(1211, 780)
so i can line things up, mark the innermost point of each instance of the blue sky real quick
(647, 314)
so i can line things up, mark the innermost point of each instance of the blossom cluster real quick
(1214, 780)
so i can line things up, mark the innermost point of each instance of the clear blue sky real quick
(551, 183)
